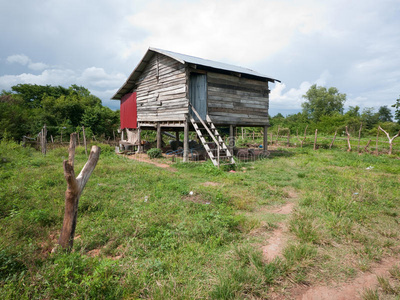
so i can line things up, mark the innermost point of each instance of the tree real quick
(384, 114)
(397, 112)
(322, 101)
(369, 117)
(353, 112)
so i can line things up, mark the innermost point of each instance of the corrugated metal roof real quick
(183, 58)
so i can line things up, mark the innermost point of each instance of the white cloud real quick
(97, 77)
(97, 80)
(293, 98)
(18, 58)
(24, 60)
(236, 31)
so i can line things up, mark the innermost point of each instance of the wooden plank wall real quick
(162, 91)
(237, 100)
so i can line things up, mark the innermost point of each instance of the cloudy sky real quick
(349, 44)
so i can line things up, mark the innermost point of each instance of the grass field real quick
(141, 234)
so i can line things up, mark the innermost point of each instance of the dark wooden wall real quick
(234, 100)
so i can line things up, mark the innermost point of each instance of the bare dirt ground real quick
(351, 290)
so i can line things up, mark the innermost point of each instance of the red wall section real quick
(128, 111)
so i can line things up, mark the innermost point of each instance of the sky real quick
(349, 44)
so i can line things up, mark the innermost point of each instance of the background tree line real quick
(323, 109)
(26, 108)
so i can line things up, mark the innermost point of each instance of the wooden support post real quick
(24, 141)
(231, 144)
(159, 137)
(186, 141)
(377, 139)
(288, 138)
(139, 149)
(265, 139)
(177, 136)
(84, 139)
(74, 190)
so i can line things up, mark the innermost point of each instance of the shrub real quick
(154, 153)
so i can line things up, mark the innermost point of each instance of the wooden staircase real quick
(213, 143)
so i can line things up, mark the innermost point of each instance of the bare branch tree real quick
(74, 190)
(390, 139)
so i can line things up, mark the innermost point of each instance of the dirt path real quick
(142, 157)
(351, 290)
(345, 291)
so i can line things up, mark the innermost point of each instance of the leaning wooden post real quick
(348, 140)
(84, 139)
(315, 139)
(366, 147)
(333, 140)
(74, 190)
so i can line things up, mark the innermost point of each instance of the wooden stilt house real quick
(168, 91)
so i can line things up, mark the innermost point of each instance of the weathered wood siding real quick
(162, 91)
(237, 100)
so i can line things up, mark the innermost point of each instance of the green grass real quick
(141, 235)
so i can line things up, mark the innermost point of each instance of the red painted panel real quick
(128, 111)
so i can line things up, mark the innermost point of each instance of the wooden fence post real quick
(359, 138)
(43, 139)
(315, 139)
(74, 190)
(377, 137)
(348, 140)
(333, 140)
(277, 136)
(84, 139)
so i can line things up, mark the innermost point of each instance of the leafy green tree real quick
(369, 117)
(14, 117)
(322, 101)
(26, 108)
(397, 112)
(384, 114)
(353, 112)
